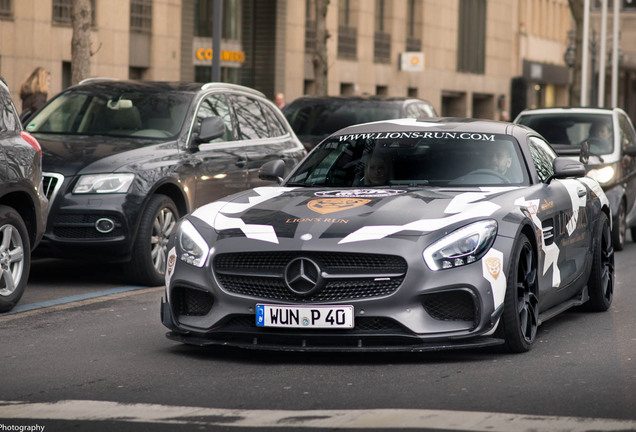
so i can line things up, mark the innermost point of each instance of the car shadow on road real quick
(73, 272)
(255, 357)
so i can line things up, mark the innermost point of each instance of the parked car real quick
(23, 203)
(313, 118)
(125, 159)
(608, 141)
(477, 235)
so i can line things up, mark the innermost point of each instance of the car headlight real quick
(602, 175)
(194, 249)
(463, 246)
(104, 183)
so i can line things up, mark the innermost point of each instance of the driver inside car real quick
(499, 159)
(600, 138)
(378, 171)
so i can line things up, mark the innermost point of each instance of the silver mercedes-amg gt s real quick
(407, 235)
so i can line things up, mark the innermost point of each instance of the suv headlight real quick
(602, 175)
(104, 183)
(194, 249)
(463, 246)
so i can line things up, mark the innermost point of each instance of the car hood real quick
(350, 215)
(70, 155)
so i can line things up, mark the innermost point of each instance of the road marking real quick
(74, 301)
(88, 410)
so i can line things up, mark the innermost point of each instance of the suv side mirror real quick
(211, 127)
(565, 168)
(273, 171)
(630, 151)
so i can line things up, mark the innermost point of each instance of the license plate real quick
(304, 316)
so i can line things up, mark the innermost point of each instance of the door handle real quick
(241, 163)
(582, 193)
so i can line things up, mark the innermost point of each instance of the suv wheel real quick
(148, 263)
(15, 258)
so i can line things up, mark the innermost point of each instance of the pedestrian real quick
(279, 100)
(34, 91)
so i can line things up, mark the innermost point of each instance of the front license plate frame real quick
(305, 316)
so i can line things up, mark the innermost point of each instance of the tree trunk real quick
(576, 9)
(81, 41)
(320, 55)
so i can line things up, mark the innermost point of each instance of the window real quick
(216, 105)
(414, 25)
(141, 16)
(6, 8)
(382, 38)
(627, 132)
(62, 11)
(272, 120)
(251, 122)
(471, 52)
(231, 18)
(542, 156)
(347, 32)
(310, 25)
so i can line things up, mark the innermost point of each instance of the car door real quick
(627, 142)
(560, 207)
(220, 165)
(261, 138)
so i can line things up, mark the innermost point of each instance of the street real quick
(73, 357)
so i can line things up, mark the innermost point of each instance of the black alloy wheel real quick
(520, 319)
(601, 282)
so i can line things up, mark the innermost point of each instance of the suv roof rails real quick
(212, 85)
(95, 79)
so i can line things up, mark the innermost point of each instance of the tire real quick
(619, 229)
(15, 258)
(148, 263)
(520, 319)
(601, 282)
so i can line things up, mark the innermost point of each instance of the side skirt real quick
(561, 307)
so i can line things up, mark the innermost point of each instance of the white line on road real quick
(88, 410)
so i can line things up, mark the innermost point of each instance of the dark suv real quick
(22, 202)
(124, 160)
(313, 118)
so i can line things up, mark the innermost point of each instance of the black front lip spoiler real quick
(359, 344)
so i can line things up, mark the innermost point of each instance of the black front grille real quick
(362, 325)
(191, 302)
(454, 305)
(351, 276)
(82, 226)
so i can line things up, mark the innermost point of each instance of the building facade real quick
(470, 58)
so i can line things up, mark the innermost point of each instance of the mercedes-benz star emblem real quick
(303, 276)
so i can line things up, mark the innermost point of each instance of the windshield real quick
(138, 114)
(562, 130)
(412, 158)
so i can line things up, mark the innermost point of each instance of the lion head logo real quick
(494, 267)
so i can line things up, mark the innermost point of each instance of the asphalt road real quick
(86, 351)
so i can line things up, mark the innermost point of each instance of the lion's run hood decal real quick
(350, 215)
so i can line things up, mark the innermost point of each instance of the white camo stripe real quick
(463, 207)
(395, 419)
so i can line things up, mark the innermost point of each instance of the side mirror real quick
(584, 156)
(566, 168)
(273, 171)
(211, 127)
(630, 151)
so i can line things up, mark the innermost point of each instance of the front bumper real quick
(425, 311)
(367, 339)
(76, 225)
